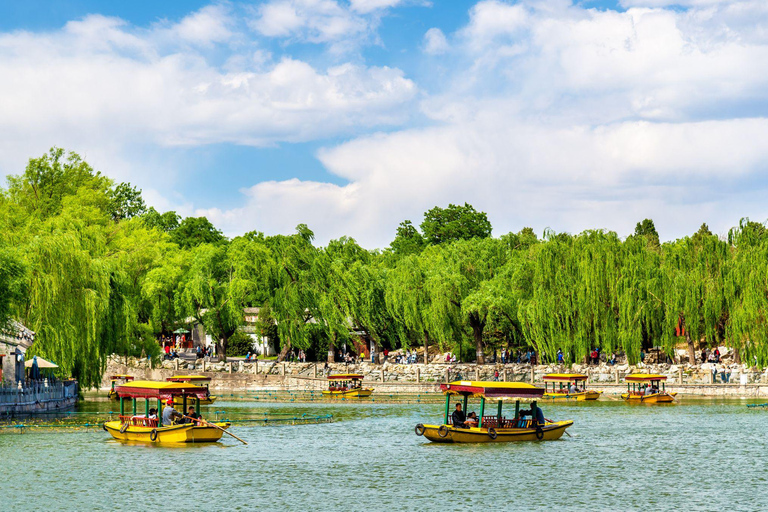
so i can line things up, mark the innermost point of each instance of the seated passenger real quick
(169, 413)
(152, 414)
(192, 416)
(472, 420)
(458, 418)
(573, 389)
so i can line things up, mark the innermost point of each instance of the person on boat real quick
(192, 416)
(573, 389)
(169, 413)
(472, 420)
(458, 418)
(534, 412)
(152, 414)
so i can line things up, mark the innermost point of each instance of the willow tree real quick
(640, 295)
(408, 301)
(12, 283)
(694, 282)
(746, 291)
(456, 272)
(206, 293)
(290, 285)
(573, 302)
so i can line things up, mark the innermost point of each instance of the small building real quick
(15, 339)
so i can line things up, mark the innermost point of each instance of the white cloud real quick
(101, 86)
(563, 117)
(435, 42)
(314, 21)
(366, 6)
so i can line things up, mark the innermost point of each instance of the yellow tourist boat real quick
(115, 380)
(142, 428)
(495, 428)
(645, 388)
(561, 387)
(346, 385)
(200, 380)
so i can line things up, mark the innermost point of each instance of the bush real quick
(239, 344)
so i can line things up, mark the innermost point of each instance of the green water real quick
(693, 455)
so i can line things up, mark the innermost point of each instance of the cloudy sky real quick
(353, 115)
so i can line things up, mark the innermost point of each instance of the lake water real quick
(693, 455)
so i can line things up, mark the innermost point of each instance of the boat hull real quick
(350, 393)
(579, 397)
(549, 432)
(657, 398)
(184, 433)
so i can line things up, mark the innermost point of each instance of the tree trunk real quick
(426, 347)
(332, 350)
(736, 356)
(221, 349)
(284, 352)
(477, 332)
(691, 349)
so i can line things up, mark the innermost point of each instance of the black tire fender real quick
(443, 430)
(492, 433)
(104, 426)
(153, 435)
(124, 427)
(420, 429)
(539, 432)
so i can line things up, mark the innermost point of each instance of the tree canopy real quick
(92, 271)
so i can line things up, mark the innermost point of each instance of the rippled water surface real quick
(693, 455)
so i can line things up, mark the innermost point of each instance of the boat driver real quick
(458, 418)
(534, 412)
(169, 413)
(573, 390)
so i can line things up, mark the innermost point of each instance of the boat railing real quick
(139, 421)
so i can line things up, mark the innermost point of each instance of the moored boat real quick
(494, 428)
(116, 380)
(346, 385)
(143, 428)
(563, 390)
(642, 387)
(199, 380)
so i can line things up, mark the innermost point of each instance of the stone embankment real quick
(731, 381)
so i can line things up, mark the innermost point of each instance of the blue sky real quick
(353, 115)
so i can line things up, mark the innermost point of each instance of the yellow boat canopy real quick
(162, 390)
(188, 378)
(346, 376)
(644, 377)
(492, 389)
(564, 377)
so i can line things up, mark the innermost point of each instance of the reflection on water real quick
(695, 455)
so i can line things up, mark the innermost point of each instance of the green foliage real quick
(194, 231)
(165, 222)
(442, 225)
(240, 344)
(408, 240)
(125, 202)
(12, 283)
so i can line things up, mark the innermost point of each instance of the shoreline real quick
(387, 378)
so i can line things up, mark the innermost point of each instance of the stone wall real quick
(409, 378)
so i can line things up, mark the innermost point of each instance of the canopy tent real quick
(181, 331)
(41, 363)
(161, 390)
(345, 376)
(644, 377)
(188, 378)
(564, 377)
(492, 389)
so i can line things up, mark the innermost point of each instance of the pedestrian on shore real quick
(496, 375)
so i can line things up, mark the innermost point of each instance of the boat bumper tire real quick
(442, 431)
(420, 429)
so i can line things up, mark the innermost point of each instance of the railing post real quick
(418, 375)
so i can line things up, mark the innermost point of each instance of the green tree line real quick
(93, 271)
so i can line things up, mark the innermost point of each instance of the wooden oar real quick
(215, 426)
